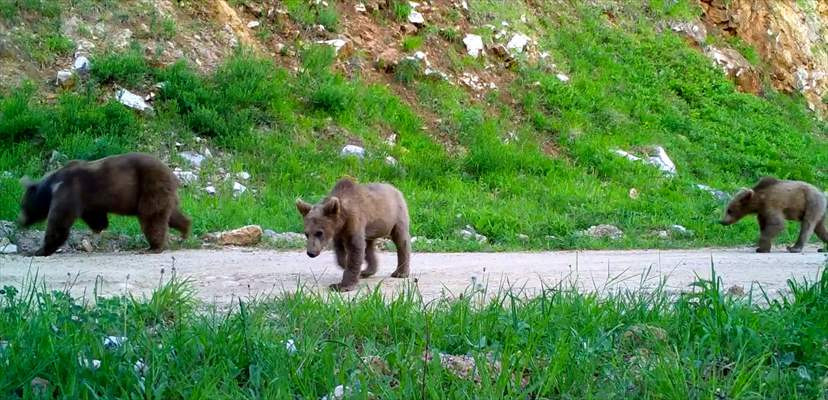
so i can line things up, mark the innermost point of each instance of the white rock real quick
(523, 237)
(64, 77)
(391, 161)
(718, 194)
(193, 158)
(207, 153)
(416, 18)
(474, 45)
(132, 100)
(7, 247)
(81, 64)
(140, 367)
(518, 42)
(244, 175)
(626, 155)
(290, 346)
(253, 24)
(211, 190)
(662, 161)
(604, 231)
(563, 77)
(185, 177)
(352, 150)
(681, 230)
(360, 7)
(337, 44)
(338, 393)
(91, 364)
(113, 342)
(238, 189)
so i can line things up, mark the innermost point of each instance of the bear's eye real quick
(318, 234)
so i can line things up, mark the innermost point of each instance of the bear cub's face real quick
(738, 207)
(34, 207)
(321, 221)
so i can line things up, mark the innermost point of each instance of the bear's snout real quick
(312, 254)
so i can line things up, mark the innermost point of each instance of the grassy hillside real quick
(533, 157)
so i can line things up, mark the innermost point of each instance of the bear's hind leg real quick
(180, 222)
(96, 221)
(402, 240)
(370, 259)
(155, 229)
(822, 233)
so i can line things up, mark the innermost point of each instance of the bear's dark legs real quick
(57, 231)
(370, 259)
(155, 230)
(180, 222)
(356, 254)
(96, 221)
(822, 233)
(805, 232)
(402, 240)
(341, 253)
(770, 227)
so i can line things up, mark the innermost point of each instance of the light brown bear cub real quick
(774, 201)
(128, 184)
(354, 216)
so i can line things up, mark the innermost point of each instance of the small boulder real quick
(337, 44)
(185, 177)
(253, 24)
(285, 239)
(65, 78)
(474, 45)
(39, 386)
(604, 231)
(211, 190)
(249, 235)
(353, 150)
(518, 43)
(81, 65)
(132, 100)
(7, 247)
(193, 158)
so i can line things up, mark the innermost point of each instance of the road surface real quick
(223, 275)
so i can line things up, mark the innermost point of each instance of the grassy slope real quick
(700, 345)
(630, 86)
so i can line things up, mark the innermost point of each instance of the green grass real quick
(701, 344)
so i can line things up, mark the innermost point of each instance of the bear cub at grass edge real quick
(129, 184)
(353, 216)
(774, 201)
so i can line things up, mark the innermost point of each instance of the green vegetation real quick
(560, 344)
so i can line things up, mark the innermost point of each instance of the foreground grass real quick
(631, 87)
(562, 344)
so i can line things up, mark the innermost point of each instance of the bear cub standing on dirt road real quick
(353, 216)
(128, 184)
(774, 201)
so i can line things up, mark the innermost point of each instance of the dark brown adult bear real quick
(128, 184)
(353, 216)
(774, 201)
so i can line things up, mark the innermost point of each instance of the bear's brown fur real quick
(354, 216)
(128, 184)
(774, 201)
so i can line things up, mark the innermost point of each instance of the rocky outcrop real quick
(790, 36)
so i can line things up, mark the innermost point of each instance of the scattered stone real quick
(633, 193)
(736, 291)
(523, 237)
(563, 77)
(474, 45)
(416, 18)
(39, 386)
(465, 366)
(718, 194)
(81, 65)
(604, 231)
(7, 247)
(243, 175)
(659, 159)
(681, 230)
(90, 364)
(737, 67)
(695, 31)
(469, 233)
(132, 100)
(211, 190)
(337, 44)
(193, 158)
(238, 189)
(285, 239)
(86, 246)
(338, 393)
(352, 150)
(391, 161)
(140, 367)
(65, 78)
(290, 346)
(663, 235)
(253, 24)
(518, 42)
(245, 236)
(474, 82)
(360, 8)
(185, 177)
(113, 342)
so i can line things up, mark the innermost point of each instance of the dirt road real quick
(221, 275)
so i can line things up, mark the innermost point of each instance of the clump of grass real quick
(411, 43)
(128, 68)
(400, 10)
(407, 71)
(641, 344)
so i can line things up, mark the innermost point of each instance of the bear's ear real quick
(331, 207)
(304, 208)
(745, 195)
(27, 182)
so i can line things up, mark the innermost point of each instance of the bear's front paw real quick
(762, 250)
(151, 251)
(823, 250)
(399, 274)
(41, 252)
(794, 249)
(339, 287)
